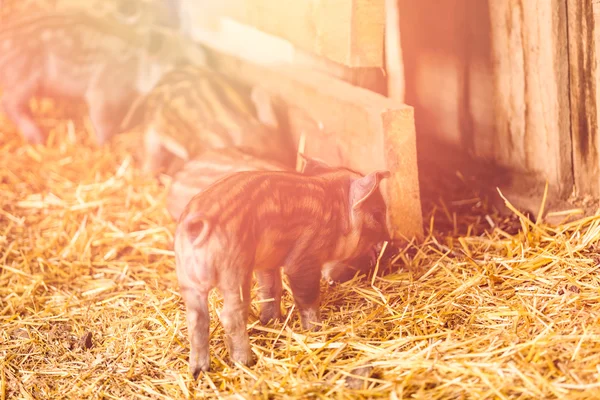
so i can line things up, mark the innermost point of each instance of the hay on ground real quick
(494, 307)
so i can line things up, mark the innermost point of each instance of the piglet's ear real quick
(313, 166)
(363, 188)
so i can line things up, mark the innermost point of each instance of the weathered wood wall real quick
(493, 78)
(584, 48)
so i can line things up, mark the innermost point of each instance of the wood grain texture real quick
(347, 125)
(394, 63)
(372, 78)
(262, 48)
(531, 88)
(584, 47)
(493, 78)
(350, 32)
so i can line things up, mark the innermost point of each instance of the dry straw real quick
(484, 307)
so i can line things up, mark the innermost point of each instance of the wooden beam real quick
(584, 49)
(251, 44)
(345, 125)
(371, 78)
(350, 32)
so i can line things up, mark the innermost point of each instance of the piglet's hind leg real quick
(234, 316)
(198, 320)
(105, 118)
(109, 98)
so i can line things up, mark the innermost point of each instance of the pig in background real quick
(141, 12)
(194, 108)
(258, 221)
(207, 168)
(74, 54)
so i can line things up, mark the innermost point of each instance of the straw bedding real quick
(484, 307)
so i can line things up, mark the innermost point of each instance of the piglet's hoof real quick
(244, 358)
(34, 138)
(266, 317)
(310, 320)
(203, 367)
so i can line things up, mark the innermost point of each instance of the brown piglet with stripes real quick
(194, 108)
(260, 221)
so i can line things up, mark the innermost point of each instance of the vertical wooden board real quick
(531, 88)
(400, 155)
(584, 47)
(367, 33)
(477, 115)
(394, 63)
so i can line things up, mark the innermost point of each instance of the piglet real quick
(208, 167)
(261, 221)
(193, 108)
(73, 54)
(214, 164)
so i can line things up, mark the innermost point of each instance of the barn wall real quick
(584, 47)
(492, 77)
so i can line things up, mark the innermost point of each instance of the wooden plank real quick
(370, 78)
(346, 125)
(266, 49)
(350, 32)
(434, 48)
(531, 75)
(584, 48)
(394, 63)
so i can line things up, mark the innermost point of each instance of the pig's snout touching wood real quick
(340, 272)
(259, 221)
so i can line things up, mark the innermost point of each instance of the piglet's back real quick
(74, 36)
(256, 201)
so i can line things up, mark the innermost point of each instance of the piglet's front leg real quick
(305, 277)
(269, 287)
(15, 102)
(234, 315)
(198, 320)
(108, 100)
